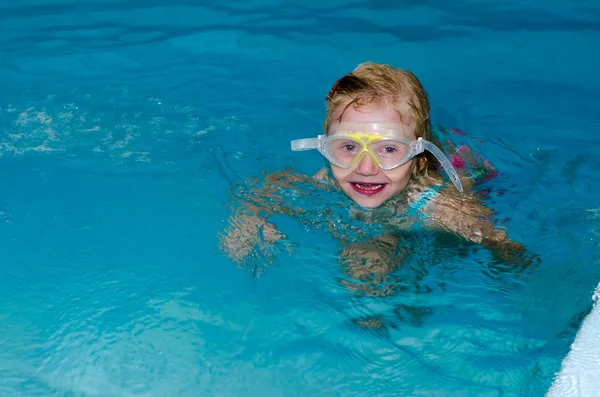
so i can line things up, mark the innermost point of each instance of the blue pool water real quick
(124, 127)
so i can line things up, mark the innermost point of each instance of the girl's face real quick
(366, 183)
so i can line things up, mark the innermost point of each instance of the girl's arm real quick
(467, 216)
(248, 232)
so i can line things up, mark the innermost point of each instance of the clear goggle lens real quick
(386, 152)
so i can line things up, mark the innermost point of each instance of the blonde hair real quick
(378, 84)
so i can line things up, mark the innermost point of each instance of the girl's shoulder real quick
(322, 175)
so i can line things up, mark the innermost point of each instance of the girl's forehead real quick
(368, 113)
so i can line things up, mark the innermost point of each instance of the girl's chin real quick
(368, 201)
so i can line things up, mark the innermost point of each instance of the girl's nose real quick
(366, 165)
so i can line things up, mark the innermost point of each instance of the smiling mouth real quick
(368, 189)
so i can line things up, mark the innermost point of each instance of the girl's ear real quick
(421, 163)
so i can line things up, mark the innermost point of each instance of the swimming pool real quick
(124, 127)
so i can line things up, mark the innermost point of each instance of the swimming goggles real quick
(384, 142)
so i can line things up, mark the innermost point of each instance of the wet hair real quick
(372, 84)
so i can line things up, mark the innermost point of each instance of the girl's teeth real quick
(368, 187)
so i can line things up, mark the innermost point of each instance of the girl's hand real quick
(467, 217)
(249, 236)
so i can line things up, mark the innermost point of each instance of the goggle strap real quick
(441, 157)
(305, 144)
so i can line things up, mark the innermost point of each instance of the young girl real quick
(383, 156)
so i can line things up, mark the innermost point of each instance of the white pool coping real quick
(579, 375)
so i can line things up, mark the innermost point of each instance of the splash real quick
(110, 130)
